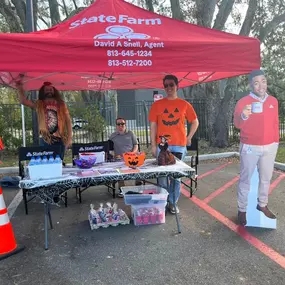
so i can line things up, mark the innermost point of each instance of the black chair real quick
(78, 148)
(194, 164)
(25, 154)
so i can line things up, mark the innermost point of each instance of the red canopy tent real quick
(113, 44)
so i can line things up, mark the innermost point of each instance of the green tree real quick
(95, 122)
(264, 20)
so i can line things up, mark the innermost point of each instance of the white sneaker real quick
(172, 208)
(120, 194)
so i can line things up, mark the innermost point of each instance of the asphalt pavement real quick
(210, 250)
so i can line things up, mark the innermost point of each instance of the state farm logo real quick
(29, 154)
(86, 148)
(120, 32)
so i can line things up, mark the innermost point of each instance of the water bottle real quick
(51, 159)
(57, 159)
(32, 161)
(45, 160)
(38, 160)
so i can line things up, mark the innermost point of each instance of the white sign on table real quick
(157, 97)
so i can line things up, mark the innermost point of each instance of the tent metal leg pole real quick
(23, 125)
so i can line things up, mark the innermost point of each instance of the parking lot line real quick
(210, 172)
(15, 203)
(220, 190)
(214, 170)
(275, 183)
(241, 231)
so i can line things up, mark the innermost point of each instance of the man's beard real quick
(49, 95)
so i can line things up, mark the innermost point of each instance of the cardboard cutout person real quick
(256, 115)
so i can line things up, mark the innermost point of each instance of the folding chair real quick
(91, 147)
(194, 164)
(25, 154)
(139, 147)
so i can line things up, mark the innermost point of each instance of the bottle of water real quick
(45, 160)
(57, 159)
(38, 160)
(32, 161)
(51, 159)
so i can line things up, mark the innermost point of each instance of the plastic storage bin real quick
(45, 171)
(147, 214)
(146, 194)
(43, 167)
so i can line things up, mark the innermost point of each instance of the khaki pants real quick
(263, 158)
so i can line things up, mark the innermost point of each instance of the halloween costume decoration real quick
(165, 157)
(170, 117)
(134, 159)
(52, 117)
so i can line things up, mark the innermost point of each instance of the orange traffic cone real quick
(8, 244)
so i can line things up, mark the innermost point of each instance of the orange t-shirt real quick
(170, 118)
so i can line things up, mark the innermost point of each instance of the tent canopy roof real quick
(113, 44)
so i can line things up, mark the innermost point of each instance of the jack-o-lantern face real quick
(170, 117)
(133, 159)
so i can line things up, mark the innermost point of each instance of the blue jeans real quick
(174, 183)
(59, 142)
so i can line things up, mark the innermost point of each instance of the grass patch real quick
(281, 154)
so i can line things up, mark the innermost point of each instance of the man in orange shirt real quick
(167, 117)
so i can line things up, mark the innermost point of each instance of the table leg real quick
(174, 199)
(46, 225)
(80, 199)
(49, 215)
(65, 199)
(191, 187)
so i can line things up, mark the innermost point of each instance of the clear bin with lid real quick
(144, 194)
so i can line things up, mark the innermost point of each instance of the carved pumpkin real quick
(134, 159)
(170, 117)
